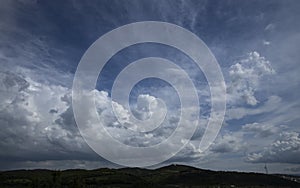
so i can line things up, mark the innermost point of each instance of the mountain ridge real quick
(167, 176)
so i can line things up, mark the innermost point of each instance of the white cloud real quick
(38, 122)
(285, 149)
(28, 126)
(272, 104)
(267, 43)
(245, 76)
(261, 129)
(270, 27)
(143, 110)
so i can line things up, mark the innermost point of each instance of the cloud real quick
(261, 129)
(10, 86)
(245, 76)
(35, 109)
(38, 122)
(285, 149)
(143, 110)
(29, 131)
(293, 169)
(267, 43)
(270, 105)
(228, 143)
(56, 164)
(270, 27)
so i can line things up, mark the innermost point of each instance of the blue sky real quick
(256, 44)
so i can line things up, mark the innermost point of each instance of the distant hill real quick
(169, 176)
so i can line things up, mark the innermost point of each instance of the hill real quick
(169, 176)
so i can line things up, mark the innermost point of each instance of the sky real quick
(256, 44)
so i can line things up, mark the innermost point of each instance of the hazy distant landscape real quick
(169, 176)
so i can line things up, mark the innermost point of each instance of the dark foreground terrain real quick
(170, 176)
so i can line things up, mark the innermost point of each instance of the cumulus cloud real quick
(38, 121)
(245, 76)
(29, 131)
(285, 149)
(143, 110)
